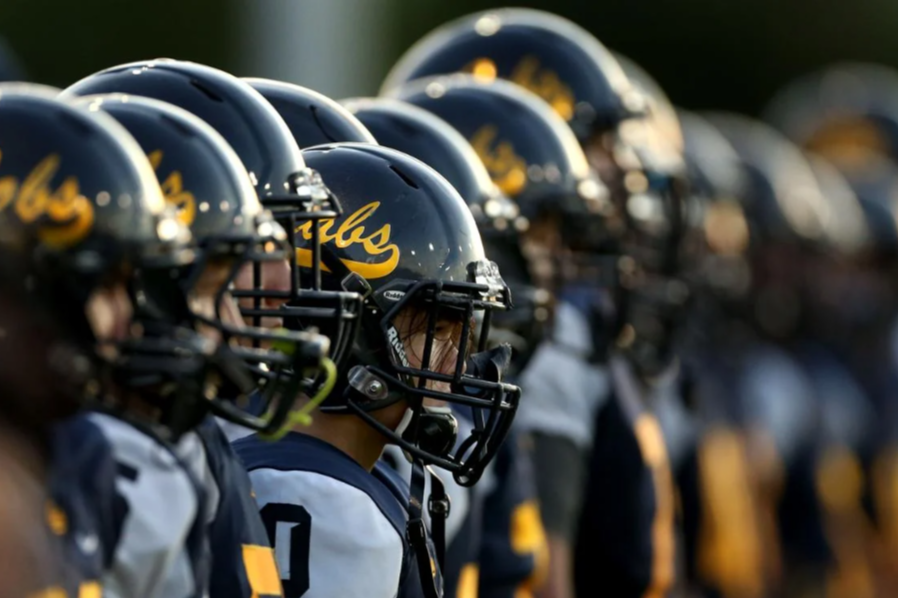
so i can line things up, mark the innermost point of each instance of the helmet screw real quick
(375, 388)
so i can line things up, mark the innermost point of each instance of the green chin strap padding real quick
(303, 416)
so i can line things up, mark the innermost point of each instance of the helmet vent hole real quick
(408, 180)
(209, 93)
(321, 125)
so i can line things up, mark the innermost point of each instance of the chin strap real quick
(303, 416)
(429, 567)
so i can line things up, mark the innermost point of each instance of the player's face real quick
(109, 311)
(600, 156)
(445, 346)
(542, 245)
(204, 296)
(275, 276)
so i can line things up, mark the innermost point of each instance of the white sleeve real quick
(779, 397)
(353, 549)
(192, 451)
(561, 390)
(151, 558)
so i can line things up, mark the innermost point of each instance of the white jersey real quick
(242, 562)
(561, 390)
(339, 530)
(157, 552)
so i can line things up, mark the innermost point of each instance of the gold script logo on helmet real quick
(63, 216)
(173, 190)
(546, 84)
(351, 232)
(507, 170)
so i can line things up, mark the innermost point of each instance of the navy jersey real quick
(243, 563)
(83, 504)
(513, 553)
(32, 560)
(626, 542)
(461, 571)
(337, 529)
(722, 506)
(135, 512)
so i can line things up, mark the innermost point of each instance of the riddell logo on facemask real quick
(351, 232)
(396, 342)
(394, 295)
(173, 190)
(63, 216)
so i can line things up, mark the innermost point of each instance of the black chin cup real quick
(433, 433)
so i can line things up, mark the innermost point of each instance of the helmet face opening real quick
(429, 350)
(275, 362)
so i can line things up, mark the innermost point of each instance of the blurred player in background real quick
(722, 517)
(118, 356)
(578, 78)
(846, 114)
